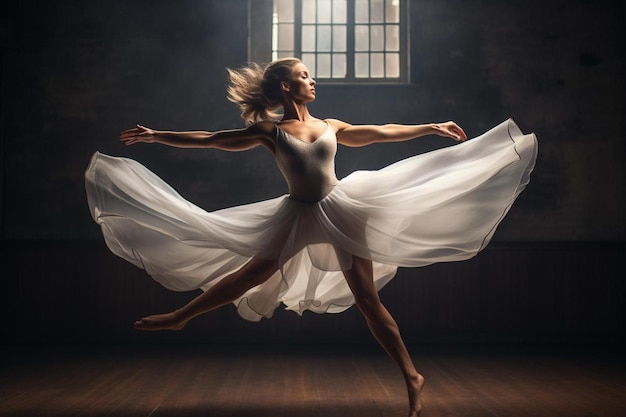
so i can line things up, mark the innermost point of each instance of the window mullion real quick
(350, 40)
(369, 39)
(297, 32)
(332, 38)
(404, 41)
(385, 22)
(317, 51)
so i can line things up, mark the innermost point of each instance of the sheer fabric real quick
(439, 206)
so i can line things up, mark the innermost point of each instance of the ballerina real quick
(329, 243)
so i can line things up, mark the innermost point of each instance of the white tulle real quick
(436, 207)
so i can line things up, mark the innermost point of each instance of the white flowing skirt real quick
(439, 206)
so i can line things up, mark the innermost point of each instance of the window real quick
(343, 40)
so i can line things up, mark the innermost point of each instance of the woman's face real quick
(302, 86)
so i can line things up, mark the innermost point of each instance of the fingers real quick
(135, 131)
(133, 135)
(451, 130)
(460, 134)
(457, 132)
(128, 135)
(130, 132)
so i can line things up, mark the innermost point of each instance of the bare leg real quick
(384, 328)
(255, 272)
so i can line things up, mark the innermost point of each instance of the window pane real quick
(392, 62)
(361, 11)
(339, 66)
(377, 65)
(393, 11)
(323, 38)
(339, 38)
(339, 11)
(285, 37)
(309, 61)
(284, 10)
(361, 38)
(392, 39)
(308, 11)
(323, 11)
(323, 65)
(377, 42)
(361, 65)
(287, 54)
(377, 11)
(308, 38)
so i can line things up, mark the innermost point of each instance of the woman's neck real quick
(296, 111)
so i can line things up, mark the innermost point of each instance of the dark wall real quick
(74, 74)
(509, 293)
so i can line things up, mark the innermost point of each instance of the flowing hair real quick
(256, 89)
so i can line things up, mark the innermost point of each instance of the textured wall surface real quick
(522, 293)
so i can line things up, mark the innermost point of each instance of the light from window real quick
(340, 39)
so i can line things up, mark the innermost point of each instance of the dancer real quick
(328, 243)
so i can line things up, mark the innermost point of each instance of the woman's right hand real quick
(138, 134)
(450, 130)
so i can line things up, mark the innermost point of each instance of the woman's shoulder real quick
(265, 127)
(337, 124)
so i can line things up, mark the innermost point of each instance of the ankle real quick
(415, 379)
(413, 376)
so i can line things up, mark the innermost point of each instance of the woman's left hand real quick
(450, 130)
(138, 134)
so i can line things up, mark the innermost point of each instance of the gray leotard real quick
(309, 168)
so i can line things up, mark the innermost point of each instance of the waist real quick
(311, 193)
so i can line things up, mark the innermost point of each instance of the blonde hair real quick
(256, 89)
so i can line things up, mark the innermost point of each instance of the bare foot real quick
(167, 321)
(415, 386)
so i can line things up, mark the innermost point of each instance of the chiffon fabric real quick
(439, 206)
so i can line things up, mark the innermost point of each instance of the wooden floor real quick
(201, 381)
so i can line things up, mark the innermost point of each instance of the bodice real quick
(308, 168)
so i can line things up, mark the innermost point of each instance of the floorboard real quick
(183, 381)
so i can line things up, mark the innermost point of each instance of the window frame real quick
(260, 27)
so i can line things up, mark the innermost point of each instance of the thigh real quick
(259, 267)
(360, 278)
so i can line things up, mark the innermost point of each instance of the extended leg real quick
(384, 327)
(255, 272)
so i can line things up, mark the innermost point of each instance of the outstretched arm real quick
(228, 140)
(362, 135)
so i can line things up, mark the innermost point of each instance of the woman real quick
(328, 244)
